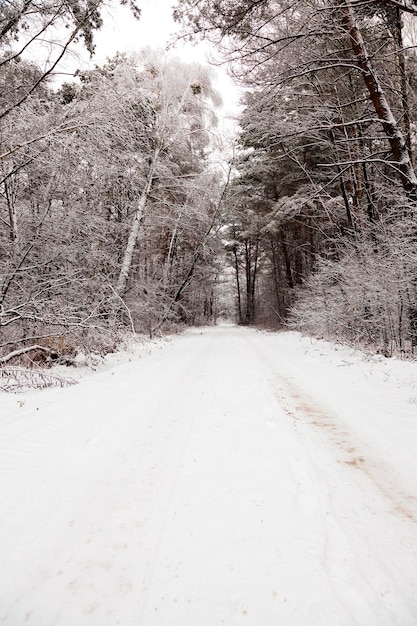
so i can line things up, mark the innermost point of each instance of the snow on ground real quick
(228, 477)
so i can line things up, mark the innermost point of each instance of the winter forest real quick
(208, 313)
(124, 210)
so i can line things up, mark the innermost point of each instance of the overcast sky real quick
(156, 28)
(122, 32)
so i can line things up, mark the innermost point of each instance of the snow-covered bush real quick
(18, 379)
(368, 296)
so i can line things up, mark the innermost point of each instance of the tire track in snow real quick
(369, 519)
(184, 380)
(351, 452)
(236, 500)
(119, 436)
(231, 518)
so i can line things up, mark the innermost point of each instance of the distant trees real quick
(115, 218)
(326, 180)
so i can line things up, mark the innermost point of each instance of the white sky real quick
(156, 27)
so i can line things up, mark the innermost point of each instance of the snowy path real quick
(229, 478)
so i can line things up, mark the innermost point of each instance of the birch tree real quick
(70, 201)
(179, 97)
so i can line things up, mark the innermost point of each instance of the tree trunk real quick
(21, 351)
(251, 266)
(134, 231)
(239, 298)
(403, 80)
(276, 273)
(393, 132)
(13, 232)
(288, 271)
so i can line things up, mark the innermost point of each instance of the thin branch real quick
(126, 307)
(51, 133)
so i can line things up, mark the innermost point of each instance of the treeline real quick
(109, 206)
(322, 231)
(113, 218)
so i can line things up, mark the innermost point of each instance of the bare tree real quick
(51, 26)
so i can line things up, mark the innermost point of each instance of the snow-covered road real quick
(228, 477)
